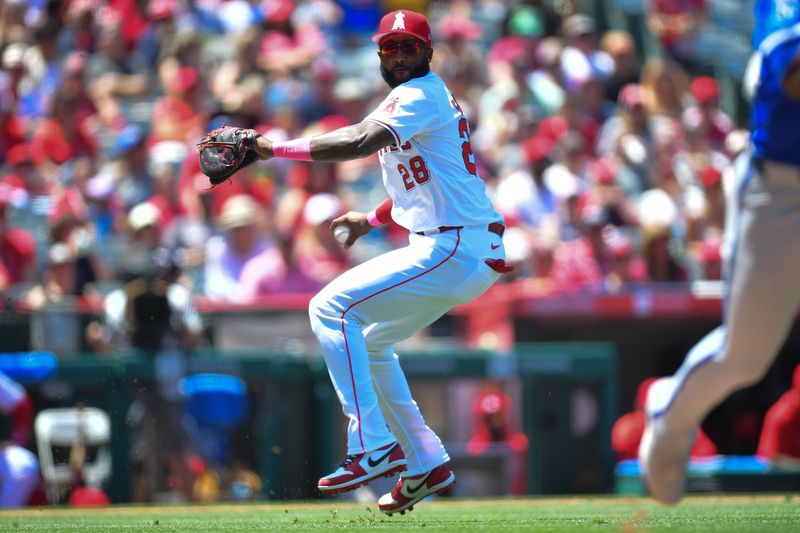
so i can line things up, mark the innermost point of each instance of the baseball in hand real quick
(341, 234)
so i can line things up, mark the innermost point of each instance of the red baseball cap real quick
(604, 171)
(630, 95)
(710, 176)
(18, 154)
(404, 22)
(711, 249)
(704, 89)
(536, 148)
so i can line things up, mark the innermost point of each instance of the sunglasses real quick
(409, 47)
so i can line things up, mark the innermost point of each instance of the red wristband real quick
(297, 149)
(383, 213)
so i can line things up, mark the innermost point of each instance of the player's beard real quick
(416, 72)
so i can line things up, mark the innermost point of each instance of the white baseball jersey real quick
(429, 171)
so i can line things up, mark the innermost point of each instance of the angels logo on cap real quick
(398, 21)
(404, 22)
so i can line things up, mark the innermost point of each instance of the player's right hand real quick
(356, 222)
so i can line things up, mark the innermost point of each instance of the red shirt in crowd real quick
(674, 8)
(50, 141)
(17, 252)
(575, 268)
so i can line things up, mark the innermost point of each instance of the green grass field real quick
(772, 514)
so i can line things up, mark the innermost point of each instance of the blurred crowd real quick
(609, 168)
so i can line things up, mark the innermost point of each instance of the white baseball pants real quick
(360, 315)
(762, 249)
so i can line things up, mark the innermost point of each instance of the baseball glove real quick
(225, 150)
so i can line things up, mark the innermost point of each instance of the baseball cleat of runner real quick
(359, 469)
(412, 489)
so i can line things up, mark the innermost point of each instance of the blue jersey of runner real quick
(775, 118)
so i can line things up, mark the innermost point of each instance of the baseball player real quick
(455, 253)
(19, 468)
(762, 250)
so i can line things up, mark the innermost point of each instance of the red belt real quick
(495, 227)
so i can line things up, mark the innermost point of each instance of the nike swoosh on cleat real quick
(495, 246)
(411, 490)
(373, 464)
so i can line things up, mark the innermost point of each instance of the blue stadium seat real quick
(28, 367)
(215, 399)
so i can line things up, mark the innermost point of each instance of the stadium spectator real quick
(134, 182)
(532, 259)
(174, 205)
(62, 136)
(626, 268)
(626, 433)
(657, 215)
(177, 116)
(620, 47)
(274, 271)
(286, 46)
(73, 85)
(497, 117)
(581, 60)
(14, 77)
(677, 24)
(164, 20)
(697, 153)
(43, 66)
(780, 434)
(78, 32)
(580, 264)
(711, 258)
(230, 81)
(604, 192)
(566, 176)
(545, 82)
(72, 268)
(522, 195)
(17, 247)
(241, 222)
(69, 224)
(713, 124)
(664, 88)
(317, 253)
(115, 75)
(628, 138)
(102, 207)
(22, 181)
(458, 58)
(714, 200)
